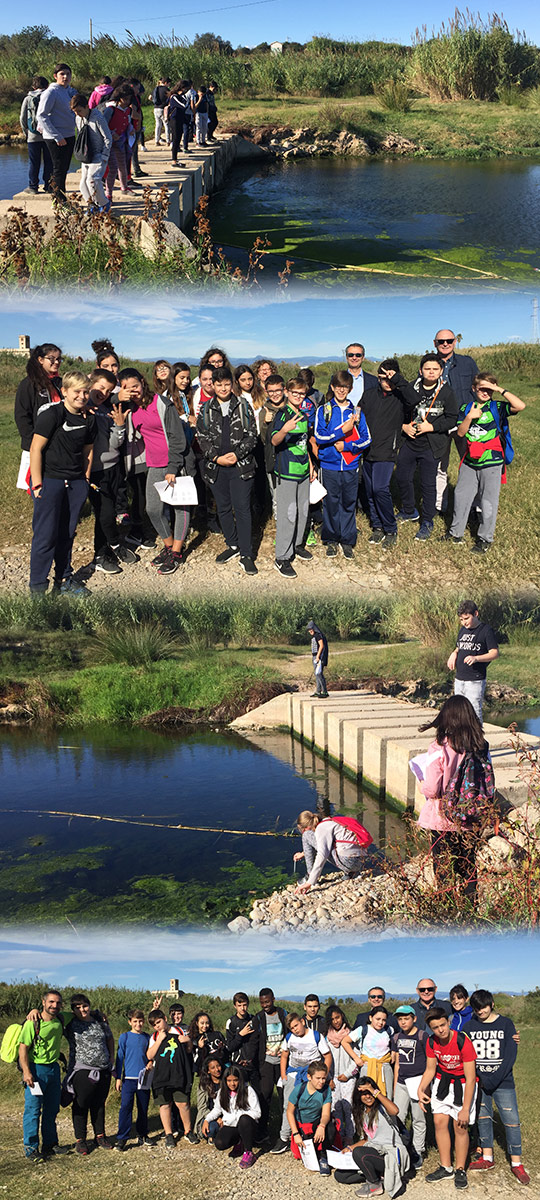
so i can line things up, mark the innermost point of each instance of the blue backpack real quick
(503, 428)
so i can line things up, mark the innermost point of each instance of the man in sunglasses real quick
(376, 998)
(363, 381)
(459, 371)
(427, 991)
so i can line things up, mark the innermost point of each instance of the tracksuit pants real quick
(232, 495)
(56, 513)
(130, 1092)
(376, 478)
(339, 506)
(292, 510)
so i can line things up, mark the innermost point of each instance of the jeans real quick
(410, 457)
(506, 1101)
(473, 690)
(43, 1107)
(37, 150)
(61, 162)
(161, 124)
(91, 185)
(56, 513)
(320, 681)
(376, 479)
(130, 1092)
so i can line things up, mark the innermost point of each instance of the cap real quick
(405, 1008)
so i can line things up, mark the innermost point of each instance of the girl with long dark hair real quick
(237, 1110)
(379, 1152)
(207, 1090)
(41, 386)
(162, 377)
(206, 1041)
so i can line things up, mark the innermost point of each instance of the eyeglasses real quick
(300, 394)
(444, 341)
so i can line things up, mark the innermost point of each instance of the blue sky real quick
(153, 326)
(248, 24)
(218, 964)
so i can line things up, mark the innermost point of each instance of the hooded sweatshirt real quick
(101, 92)
(55, 118)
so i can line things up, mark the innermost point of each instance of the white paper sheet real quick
(308, 1155)
(23, 471)
(412, 1086)
(342, 1162)
(183, 491)
(35, 1089)
(316, 491)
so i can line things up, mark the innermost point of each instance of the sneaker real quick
(285, 568)
(347, 551)
(125, 554)
(449, 537)
(105, 208)
(403, 516)
(237, 1150)
(228, 554)
(377, 535)
(311, 539)
(481, 546)
(439, 1174)
(416, 1160)
(482, 1164)
(30, 191)
(81, 1146)
(33, 1156)
(425, 531)
(280, 1147)
(120, 1145)
(131, 539)
(108, 563)
(331, 550)
(303, 554)
(192, 1138)
(520, 1173)
(162, 556)
(460, 1179)
(104, 1142)
(247, 1159)
(147, 544)
(389, 541)
(370, 1189)
(170, 1143)
(171, 564)
(71, 587)
(248, 565)
(145, 1141)
(324, 1167)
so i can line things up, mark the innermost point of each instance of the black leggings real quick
(459, 851)
(229, 1135)
(104, 505)
(370, 1165)
(90, 1096)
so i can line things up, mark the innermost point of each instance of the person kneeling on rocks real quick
(342, 841)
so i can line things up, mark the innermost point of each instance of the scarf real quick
(335, 1036)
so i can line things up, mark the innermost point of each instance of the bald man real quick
(427, 998)
(459, 371)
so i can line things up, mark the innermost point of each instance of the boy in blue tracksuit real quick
(131, 1062)
(341, 435)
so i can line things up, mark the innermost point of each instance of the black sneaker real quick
(145, 1141)
(108, 563)
(162, 556)
(303, 554)
(248, 565)
(481, 546)
(389, 541)
(120, 1145)
(439, 1174)
(285, 568)
(55, 1151)
(173, 561)
(280, 1147)
(147, 544)
(228, 554)
(192, 1138)
(460, 1179)
(81, 1146)
(425, 531)
(377, 535)
(347, 551)
(125, 554)
(331, 550)
(170, 1143)
(449, 537)
(34, 1157)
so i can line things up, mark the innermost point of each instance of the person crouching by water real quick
(319, 653)
(326, 839)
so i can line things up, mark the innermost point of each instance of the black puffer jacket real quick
(443, 415)
(243, 436)
(28, 401)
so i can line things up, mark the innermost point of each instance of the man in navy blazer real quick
(459, 371)
(355, 354)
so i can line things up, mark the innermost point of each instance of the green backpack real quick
(9, 1049)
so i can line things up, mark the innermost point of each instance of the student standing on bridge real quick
(56, 122)
(99, 144)
(476, 647)
(37, 148)
(319, 653)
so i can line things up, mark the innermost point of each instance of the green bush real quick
(472, 59)
(394, 96)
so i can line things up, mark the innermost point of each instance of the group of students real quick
(345, 1089)
(248, 438)
(104, 130)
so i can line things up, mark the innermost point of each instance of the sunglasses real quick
(429, 989)
(374, 997)
(355, 356)
(444, 341)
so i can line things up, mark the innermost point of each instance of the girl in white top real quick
(371, 1050)
(331, 842)
(236, 1110)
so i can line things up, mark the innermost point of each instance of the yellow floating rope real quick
(51, 812)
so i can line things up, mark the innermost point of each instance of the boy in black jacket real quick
(384, 411)
(432, 412)
(242, 1040)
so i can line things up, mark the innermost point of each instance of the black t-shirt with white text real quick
(474, 641)
(67, 434)
(411, 1048)
(496, 1051)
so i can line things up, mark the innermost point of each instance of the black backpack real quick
(82, 148)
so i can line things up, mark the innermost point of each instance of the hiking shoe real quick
(425, 531)
(248, 565)
(303, 554)
(331, 550)
(108, 563)
(460, 1178)
(347, 551)
(71, 587)
(481, 546)
(311, 539)
(449, 537)
(104, 1142)
(81, 1147)
(520, 1173)
(482, 1164)
(247, 1159)
(192, 1138)
(285, 568)
(403, 516)
(439, 1174)
(376, 536)
(145, 1141)
(228, 554)
(171, 564)
(170, 1143)
(147, 544)
(125, 554)
(33, 1157)
(280, 1147)
(389, 541)
(162, 556)
(120, 1145)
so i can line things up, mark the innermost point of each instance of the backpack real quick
(362, 837)
(461, 1039)
(470, 789)
(82, 148)
(32, 104)
(9, 1049)
(302, 1072)
(503, 429)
